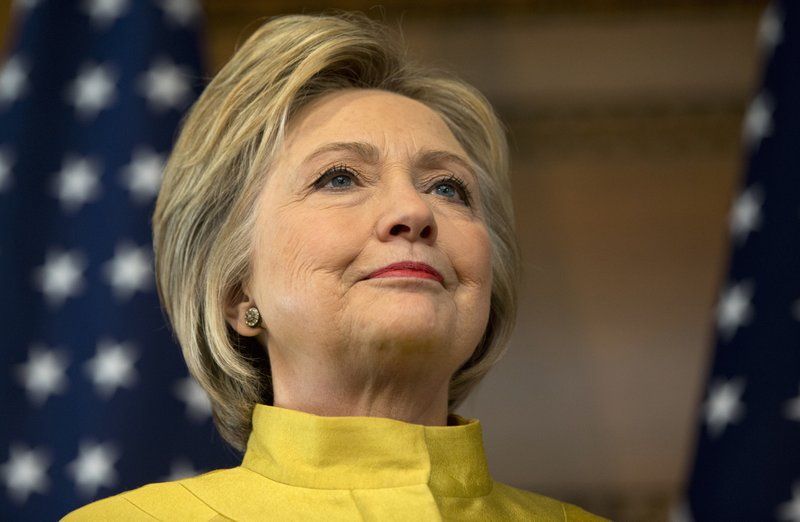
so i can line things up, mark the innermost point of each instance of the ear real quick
(234, 315)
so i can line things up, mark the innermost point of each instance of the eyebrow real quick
(365, 151)
(426, 160)
(432, 159)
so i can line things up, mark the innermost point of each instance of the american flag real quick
(96, 398)
(747, 465)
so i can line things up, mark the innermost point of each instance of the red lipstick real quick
(408, 269)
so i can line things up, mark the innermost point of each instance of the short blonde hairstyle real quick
(204, 215)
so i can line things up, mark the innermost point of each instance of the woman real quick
(335, 250)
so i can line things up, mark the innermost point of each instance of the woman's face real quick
(370, 249)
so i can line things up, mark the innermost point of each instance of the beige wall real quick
(624, 118)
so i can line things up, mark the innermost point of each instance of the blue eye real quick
(338, 177)
(447, 190)
(340, 181)
(454, 189)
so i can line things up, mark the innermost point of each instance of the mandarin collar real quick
(312, 451)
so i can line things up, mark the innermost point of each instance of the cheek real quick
(468, 247)
(486, 274)
(301, 260)
(473, 263)
(484, 259)
(470, 250)
(284, 269)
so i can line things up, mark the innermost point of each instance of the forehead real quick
(373, 116)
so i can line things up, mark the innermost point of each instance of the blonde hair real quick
(205, 211)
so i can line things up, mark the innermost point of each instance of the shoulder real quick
(520, 504)
(161, 501)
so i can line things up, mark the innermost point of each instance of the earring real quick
(252, 317)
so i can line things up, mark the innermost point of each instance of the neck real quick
(418, 397)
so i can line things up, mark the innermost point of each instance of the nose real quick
(405, 214)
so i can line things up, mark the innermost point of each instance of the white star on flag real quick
(734, 309)
(93, 90)
(142, 176)
(44, 374)
(770, 29)
(758, 120)
(181, 12)
(112, 367)
(165, 85)
(724, 405)
(26, 472)
(745, 216)
(77, 183)
(6, 161)
(104, 12)
(790, 511)
(180, 469)
(198, 406)
(94, 467)
(13, 79)
(792, 409)
(130, 270)
(61, 276)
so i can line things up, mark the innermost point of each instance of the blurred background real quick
(624, 119)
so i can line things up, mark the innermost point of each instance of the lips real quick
(408, 269)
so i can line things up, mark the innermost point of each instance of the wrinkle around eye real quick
(336, 199)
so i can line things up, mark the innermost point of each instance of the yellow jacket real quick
(300, 466)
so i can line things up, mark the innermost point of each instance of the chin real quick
(417, 329)
(424, 322)
(414, 310)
